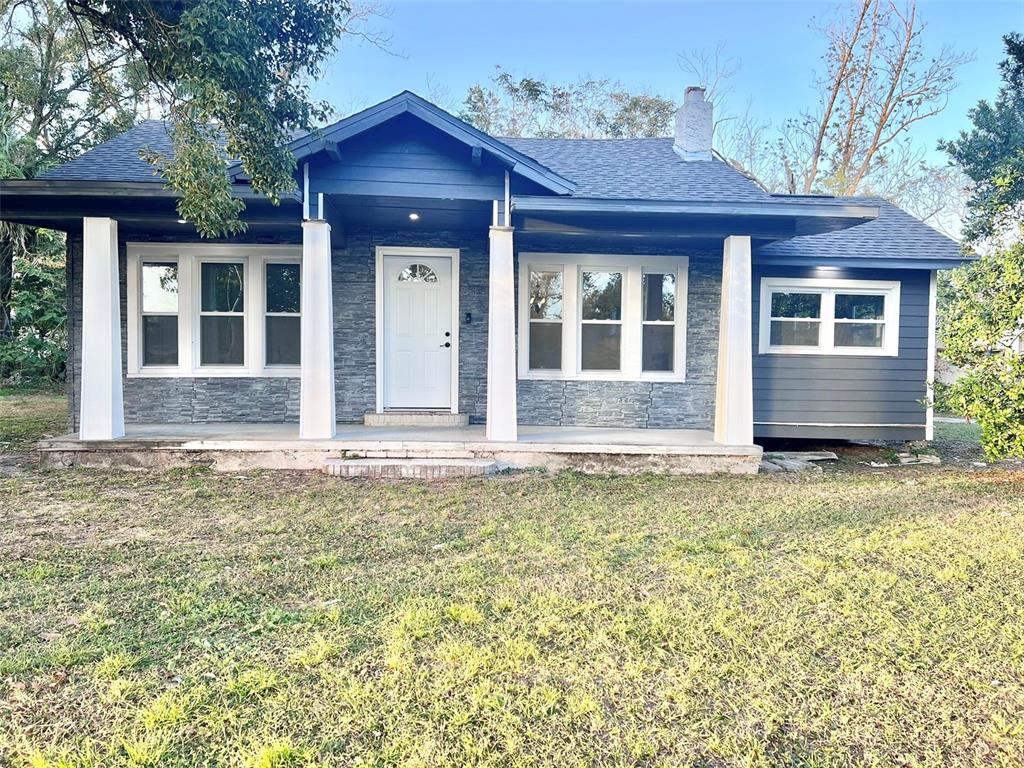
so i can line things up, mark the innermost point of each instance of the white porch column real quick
(101, 401)
(316, 391)
(734, 392)
(501, 339)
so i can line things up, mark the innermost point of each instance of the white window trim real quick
(828, 288)
(633, 267)
(188, 257)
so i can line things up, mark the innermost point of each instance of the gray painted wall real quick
(627, 404)
(847, 389)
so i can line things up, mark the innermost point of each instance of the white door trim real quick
(391, 250)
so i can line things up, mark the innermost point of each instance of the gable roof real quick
(408, 102)
(646, 169)
(894, 238)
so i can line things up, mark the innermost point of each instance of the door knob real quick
(446, 344)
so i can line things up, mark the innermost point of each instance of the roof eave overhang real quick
(806, 219)
(410, 103)
(540, 204)
(70, 188)
(854, 262)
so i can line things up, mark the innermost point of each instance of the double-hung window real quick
(213, 310)
(281, 282)
(596, 316)
(222, 313)
(159, 313)
(600, 320)
(545, 319)
(659, 321)
(825, 316)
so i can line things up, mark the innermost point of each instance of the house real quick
(433, 291)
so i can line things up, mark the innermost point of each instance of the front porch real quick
(236, 447)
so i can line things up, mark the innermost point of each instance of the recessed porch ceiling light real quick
(414, 216)
(182, 221)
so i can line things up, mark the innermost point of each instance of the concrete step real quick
(409, 469)
(415, 419)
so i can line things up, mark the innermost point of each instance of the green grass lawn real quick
(270, 620)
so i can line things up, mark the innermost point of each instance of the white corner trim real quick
(378, 315)
(633, 267)
(188, 257)
(929, 433)
(828, 287)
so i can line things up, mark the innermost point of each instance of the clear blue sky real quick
(451, 45)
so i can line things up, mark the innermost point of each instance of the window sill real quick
(216, 373)
(611, 376)
(829, 352)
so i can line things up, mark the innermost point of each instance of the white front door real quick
(418, 333)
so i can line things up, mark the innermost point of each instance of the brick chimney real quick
(694, 125)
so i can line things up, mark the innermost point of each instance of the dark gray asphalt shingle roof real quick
(895, 234)
(646, 169)
(642, 169)
(118, 159)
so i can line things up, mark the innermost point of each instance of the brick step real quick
(409, 469)
(415, 419)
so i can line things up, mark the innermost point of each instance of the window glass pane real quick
(160, 340)
(658, 349)
(545, 346)
(283, 341)
(159, 287)
(222, 340)
(659, 297)
(795, 333)
(854, 307)
(282, 287)
(600, 347)
(545, 295)
(417, 273)
(796, 305)
(222, 287)
(859, 334)
(602, 296)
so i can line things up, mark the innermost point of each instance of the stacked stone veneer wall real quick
(258, 399)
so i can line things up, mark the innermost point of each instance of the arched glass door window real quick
(417, 273)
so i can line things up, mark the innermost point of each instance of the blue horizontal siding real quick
(836, 389)
(406, 158)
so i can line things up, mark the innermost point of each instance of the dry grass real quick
(28, 415)
(274, 620)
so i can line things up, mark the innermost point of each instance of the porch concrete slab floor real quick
(230, 447)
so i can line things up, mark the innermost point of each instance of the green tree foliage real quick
(35, 350)
(992, 153)
(585, 109)
(59, 96)
(984, 316)
(235, 75)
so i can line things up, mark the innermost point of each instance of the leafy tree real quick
(585, 109)
(235, 77)
(54, 105)
(36, 348)
(992, 153)
(983, 321)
